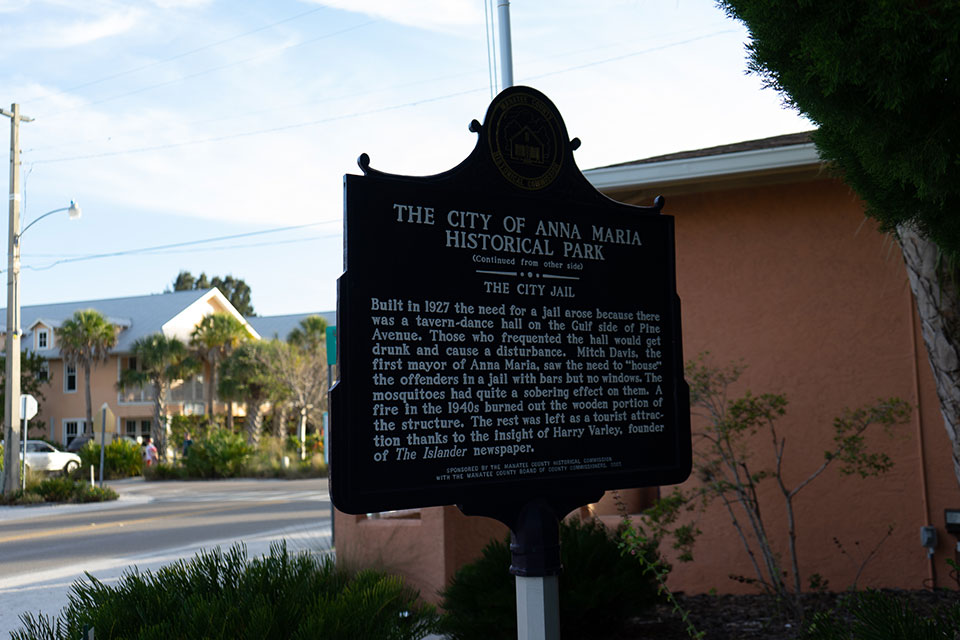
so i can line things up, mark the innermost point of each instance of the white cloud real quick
(439, 15)
(63, 34)
(181, 4)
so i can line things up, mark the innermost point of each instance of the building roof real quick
(777, 155)
(281, 326)
(138, 316)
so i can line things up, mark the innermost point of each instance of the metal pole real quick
(23, 454)
(506, 48)
(12, 384)
(103, 438)
(538, 608)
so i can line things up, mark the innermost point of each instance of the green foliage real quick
(223, 595)
(220, 454)
(882, 81)
(214, 337)
(85, 339)
(310, 335)
(165, 471)
(33, 379)
(641, 537)
(480, 600)
(233, 289)
(875, 615)
(268, 461)
(59, 489)
(728, 462)
(121, 458)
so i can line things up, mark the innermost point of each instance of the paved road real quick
(43, 550)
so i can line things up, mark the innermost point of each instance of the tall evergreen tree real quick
(881, 80)
(85, 341)
(233, 289)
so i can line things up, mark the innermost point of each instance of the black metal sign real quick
(505, 331)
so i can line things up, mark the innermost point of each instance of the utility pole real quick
(506, 44)
(11, 462)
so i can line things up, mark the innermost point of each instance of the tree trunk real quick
(937, 292)
(159, 423)
(86, 377)
(254, 421)
(211, 389)
(280, 415)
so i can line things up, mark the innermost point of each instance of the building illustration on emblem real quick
(527, 147)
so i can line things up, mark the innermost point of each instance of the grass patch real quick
(58, 489)
(223, 595)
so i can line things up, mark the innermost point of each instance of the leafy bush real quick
(165, 471)
(58, 489)
(875, 615)
(481, 599)
(121, 458)
(223, 595)
(63, 489)
(221, 454)
(267, 461)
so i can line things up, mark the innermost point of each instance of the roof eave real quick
(727, 165)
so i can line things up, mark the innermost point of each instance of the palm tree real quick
(161, 360)
(85, 340)
(246, 377)
(213, 339)
(310, 335)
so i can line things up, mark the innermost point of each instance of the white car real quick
(43, 456)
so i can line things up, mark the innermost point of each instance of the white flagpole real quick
(506, 51)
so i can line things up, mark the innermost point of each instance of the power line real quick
(243, 134)
(231, 136)
(492, 82)
(114, 254)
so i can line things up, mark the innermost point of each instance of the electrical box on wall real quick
(952, 520)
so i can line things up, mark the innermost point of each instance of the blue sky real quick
(172, 122)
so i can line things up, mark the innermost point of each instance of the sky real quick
(213, 135)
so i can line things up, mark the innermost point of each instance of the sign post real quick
(28, 409)
(509, 340)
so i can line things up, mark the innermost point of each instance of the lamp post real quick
(11, 466)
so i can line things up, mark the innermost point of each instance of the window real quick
(137, 429)
(134, 394)
(44, 372)
(71, 429)
(43, 338)
(70, 378)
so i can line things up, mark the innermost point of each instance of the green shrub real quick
(600, 589)
(64, 489)
(165, 471)
(876, 615)
(267, 461)
(121, 458)
(221, 454)
(222, 595)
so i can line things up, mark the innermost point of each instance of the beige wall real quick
(60, 405)
(793, 280)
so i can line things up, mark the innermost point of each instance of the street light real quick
(73, 211)
(11, 466)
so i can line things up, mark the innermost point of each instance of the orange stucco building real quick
(777, 266)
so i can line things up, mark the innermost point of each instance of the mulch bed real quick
(754, 617)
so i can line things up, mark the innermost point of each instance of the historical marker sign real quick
(504, 330)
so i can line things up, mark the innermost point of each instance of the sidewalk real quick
(126, 497)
